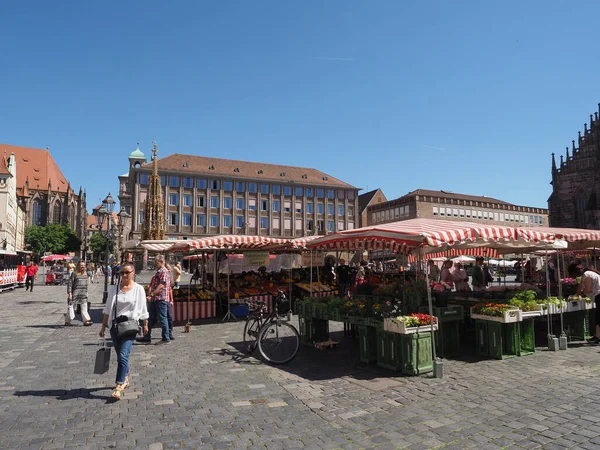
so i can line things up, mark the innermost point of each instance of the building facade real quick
(365, 200)
(43, 193)
(210, 196)
(576, 181)
(427, 204)
(12, 215)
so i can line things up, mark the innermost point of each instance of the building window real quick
(485, 214)
(264, 223)
(227, 221)
(201, 183)
(350, 195)
(396, 212)
(340, 225)
(187, 200)
(239, 221)
(341, 195)
(240, 203)
(240, 186)
(56, 213)
(287, 190)
(330, 194)
(309, 225)
(299, 191)
(215, 185)
(310, 208)
(276, 223)
(299, 225)
(173, 219)
(386, 213)
(252, 222)
(264, 205)
(141, 217)
(264, 188)
(435, 210)
(468, 213)
(321, 208)
(276, 205)
(461, 212)
(214, 201)
(341, 211)
(351, 211)
(227, 186)
(320, 193)
(252, 204)
(144, 178)
(287, 223)
(276, 189)
(298, 207)
(330, 209)
(201, 201)
(173, 199)
(320, 225)
(480, 214)
(214, 220)
(350, 226)
(188, 182)
(455, 212)
(227, 202)
(309, 192)
(330, 226)
(252, 188)
(496, 218)
(163, 180)
(186, 219)
(287, 206)
(173, 181)
(201, 220)
(442, 211)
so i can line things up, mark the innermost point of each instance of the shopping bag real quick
(71, 311)
(102, 358)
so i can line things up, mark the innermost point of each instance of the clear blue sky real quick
(467, 96)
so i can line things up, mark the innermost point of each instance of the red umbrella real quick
(56, 258)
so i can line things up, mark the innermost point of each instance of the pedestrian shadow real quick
(62, 394)
(53, 327)
(33, 302)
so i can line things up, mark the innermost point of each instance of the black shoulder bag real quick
(126, 327)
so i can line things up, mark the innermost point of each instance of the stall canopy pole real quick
(438, 365)
(563, 337)
(311, 270)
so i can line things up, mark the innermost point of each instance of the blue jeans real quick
(162, 308)
(154, 316)
(123, 348)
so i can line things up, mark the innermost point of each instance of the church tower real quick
(153, 226)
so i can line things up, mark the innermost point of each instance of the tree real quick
(53, 238)
(98, 244)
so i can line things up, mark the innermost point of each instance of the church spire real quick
(153, 226)
(553, 164)
(567, 154)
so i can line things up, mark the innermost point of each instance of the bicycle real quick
(277, 339)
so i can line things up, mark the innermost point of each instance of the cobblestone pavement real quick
(201, 392)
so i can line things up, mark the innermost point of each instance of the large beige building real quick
(211, 196)
(426, 204)
(12, 216)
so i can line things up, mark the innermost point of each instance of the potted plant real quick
(410, 324)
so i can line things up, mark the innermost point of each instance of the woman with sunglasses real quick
(130, 300)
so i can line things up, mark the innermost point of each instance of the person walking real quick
(30, 273)
(176, 274)
(127, 301)
(160, 288)
(77, 294)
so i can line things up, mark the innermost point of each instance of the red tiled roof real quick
(38, 166)
(218, 167)
(4, 164)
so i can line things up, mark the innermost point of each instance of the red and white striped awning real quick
(228, 242)
(399, 237)
(486, 252)
(571, 235)
(159, 246)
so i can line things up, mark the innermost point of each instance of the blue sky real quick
(466, 96)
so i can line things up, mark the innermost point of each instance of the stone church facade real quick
(576, 181)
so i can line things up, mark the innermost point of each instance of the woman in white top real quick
(130, 299)
(590, 286)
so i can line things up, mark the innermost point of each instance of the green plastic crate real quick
(389, 350)
(504, 339)
(450, 313)
(313, 330)
(481, 338)
(416, 353)
(576, 325)
(447, 339)
(367, 337)
(527, 337)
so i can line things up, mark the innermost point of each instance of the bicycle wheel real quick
(278, 342)
(251, 331)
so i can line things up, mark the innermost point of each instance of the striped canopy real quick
(228, 242)
(486, 252)
(159, 246)
(576, 237)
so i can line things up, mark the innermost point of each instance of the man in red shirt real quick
(30, 272)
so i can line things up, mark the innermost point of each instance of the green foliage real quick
(53, 238)
(98, 244)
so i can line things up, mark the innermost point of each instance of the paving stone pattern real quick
(202, 392)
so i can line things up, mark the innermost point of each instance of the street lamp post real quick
(103, 214)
